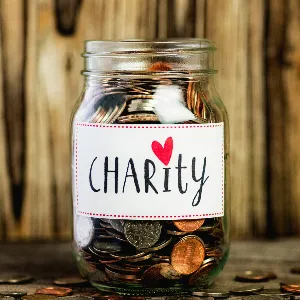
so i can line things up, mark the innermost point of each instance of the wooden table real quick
(48, 261)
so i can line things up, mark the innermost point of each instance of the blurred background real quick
(258, 59)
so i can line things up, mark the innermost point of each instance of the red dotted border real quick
(150, 127)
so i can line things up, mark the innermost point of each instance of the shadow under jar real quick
(150, 149)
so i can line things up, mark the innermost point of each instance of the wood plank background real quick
(258, 59)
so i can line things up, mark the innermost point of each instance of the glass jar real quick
(150, 142)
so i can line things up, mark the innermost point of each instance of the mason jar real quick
(150, 149)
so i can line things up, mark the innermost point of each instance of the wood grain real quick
(259, 80)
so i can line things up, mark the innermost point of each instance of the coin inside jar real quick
(188, 225)
(188, 254)
(142, 234)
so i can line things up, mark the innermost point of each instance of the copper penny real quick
(70, 281)
(160, 66)
(56, 291)
(188, 254)
(152, 276)
(255, 276)
(201, 273)
(290, 287)
(188, 225)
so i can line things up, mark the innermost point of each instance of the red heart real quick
(163, 153)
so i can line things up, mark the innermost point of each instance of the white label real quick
(145, 172)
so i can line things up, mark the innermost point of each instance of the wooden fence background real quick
(258, 59)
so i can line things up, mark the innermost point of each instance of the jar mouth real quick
(190, 55)
(139, 47)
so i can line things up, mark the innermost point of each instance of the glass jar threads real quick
(150, 146)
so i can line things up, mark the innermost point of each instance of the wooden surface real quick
(45, 262)
(259, 81)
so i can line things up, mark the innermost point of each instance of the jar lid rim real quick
(128, 46)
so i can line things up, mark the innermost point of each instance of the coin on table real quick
(293, 287)
(246, 290)
(254, 276)
(274, 292)
(215, 293)
(16, 294)
(83, 231)
(188, 225)
(295, 270)
(56, 291)
(70, 281)
(39, 297)
(142, 234)
(15, 278)
(188, 254)
(6, 298)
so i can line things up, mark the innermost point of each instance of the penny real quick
(246, 290)
(254, 276)
(295, 270)
(152, 276)
(168, 272)
(160, 66)
(142, 234)
(188, 225)
(290, 287)
(15, 279)
(188, 254)
(83, 231)
(16, 294)
(56, 291)
(70, 281)
(39, 297)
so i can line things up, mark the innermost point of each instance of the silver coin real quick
(247, 290)
(117, 224)
(83, 231)
(142, 234)
(13, 293)
(273, 292)
(15, 278)
(107, 246)
(212, 293)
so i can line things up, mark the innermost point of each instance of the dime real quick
(201, 274)
(188, 254)
(117, 224)
(173, 232)
(142, 234)
(107, 246)
(188, 225)
(84, 231)
(215, 293)
(246, 290)
(70, 281)
(141, 258)
(15, 279)
(158, 246)
(38, 297)
(56, 291)
(274, 292)
(254, 276)
(13, 294)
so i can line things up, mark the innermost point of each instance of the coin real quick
(83, 231)
(158, 246)
(173, 232)
(15, 279)
(152, 276)
(295, 270)
(16, 294)
(188, 225)
(188, 254)
(6, 297)
(292, 287)
(115, 275)
(124, 268)
(201, 274)
(117, 224)
(295, 297)
(254, 276)
(160, 66)
(107, 246)
(142, 234)
(275, 292)
(246, 290)
(38, 297)
(168, 272)
(56, 291)
(78, 297)
(215, 293)
(70, 281)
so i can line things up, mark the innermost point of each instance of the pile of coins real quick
(151, 253)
